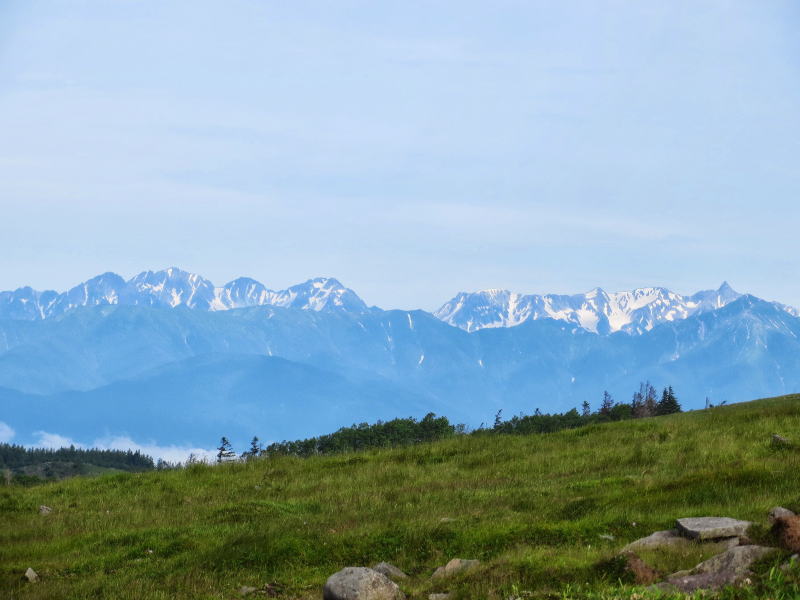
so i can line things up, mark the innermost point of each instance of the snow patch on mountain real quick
(598, 311)
(174, 287)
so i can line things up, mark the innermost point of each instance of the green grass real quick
(532, 508)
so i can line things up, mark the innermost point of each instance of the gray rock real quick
(778, 513)
(709, 528)
(794, 559)
(389, 570)
(659, 539)
(246, 590)
(360, 583)
(606, 536)
(732, 543)
(438, 596)
(727, 568)
(45, 510)
(457, 565)
(31, 575)
(780, 442)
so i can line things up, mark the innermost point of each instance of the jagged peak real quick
(633, 311)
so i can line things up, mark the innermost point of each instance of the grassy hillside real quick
(532, 508)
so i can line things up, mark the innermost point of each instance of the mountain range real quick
(170, 357)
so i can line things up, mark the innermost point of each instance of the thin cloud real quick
(6, 433)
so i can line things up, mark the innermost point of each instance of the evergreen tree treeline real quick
(16, 457)
(397, 432)
(401, 432)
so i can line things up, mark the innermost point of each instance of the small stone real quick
(360, 583)
(438, 596)
(45, 510)
(709, 528)
(446, 520)
(246, 589)
(778, 441)
(31, 575)
(606, 536)
(457, 565)
(389, 570)
(658, 539)
(776, 513)
(793, 560)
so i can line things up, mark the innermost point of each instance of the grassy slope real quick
(532, 508)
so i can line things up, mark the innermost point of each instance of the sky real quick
(410, 149)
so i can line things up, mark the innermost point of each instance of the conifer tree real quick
(255, 448)
(225, 451)
(606, 405)
(586, 410)
(498, 419)
(669, 403)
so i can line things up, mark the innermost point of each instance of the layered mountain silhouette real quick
(171, 357)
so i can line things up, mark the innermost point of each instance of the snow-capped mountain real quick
(597, 311)
(172, 288)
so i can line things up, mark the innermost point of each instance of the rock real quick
(606, 536)
(778, 512)
(389, 570)
(446, 520)
(457, 565)
(438, 596)
(360, 583)
(787, 530)
(793, 560)
(659, 539)
(643, 574)
(31, 575)
(778, 441)
(733, 542)
(709, 528)
(45, 510)
(727, 568)
(246, 590)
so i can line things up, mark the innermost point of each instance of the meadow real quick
(546, 513)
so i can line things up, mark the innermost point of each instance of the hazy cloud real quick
(6, 433)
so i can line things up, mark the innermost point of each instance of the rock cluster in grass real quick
(730, 567)
(362, 583)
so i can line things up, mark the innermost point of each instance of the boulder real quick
(643, 574)
(457, 565)
(709, 528)
(45, 510)
(779, 512)
(360, 583)
(31, 575)
(787, 530)
(659, 539)
(389, 570)
(728, 568)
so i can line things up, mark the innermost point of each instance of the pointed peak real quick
(726, 287)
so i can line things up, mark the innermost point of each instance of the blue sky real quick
(411, 149)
